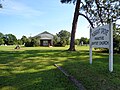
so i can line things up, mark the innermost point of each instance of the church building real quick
(46, 38)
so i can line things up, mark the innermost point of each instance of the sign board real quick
(102, 37)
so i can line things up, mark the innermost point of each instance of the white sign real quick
(102, 37)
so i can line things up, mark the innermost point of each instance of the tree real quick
(95, 12)
(100, 12)
(24, 39)
(1, 35)
(28, 43)
(1, 38)
(1, 41)
(64, 36)
(32, 42)
(77, 41)
(19, 42)
(116, 39)
(84, 40)
(56, 39)
(10, 39)
(74, 24)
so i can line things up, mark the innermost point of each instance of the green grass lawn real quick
(31, 68)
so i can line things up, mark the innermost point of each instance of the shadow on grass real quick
(33, 69)
(42, 80)
(97, 75)
(104, 57)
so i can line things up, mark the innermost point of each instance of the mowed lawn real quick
(32, 68)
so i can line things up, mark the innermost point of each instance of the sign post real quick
(102, 37)
(90, 46)
(111, 48)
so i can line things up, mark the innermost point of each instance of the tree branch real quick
(99, 11)
(0, 5)
(87, 19)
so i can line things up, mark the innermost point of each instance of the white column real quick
(90, 44)
(111, 47)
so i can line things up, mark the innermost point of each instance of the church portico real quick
(46, 42)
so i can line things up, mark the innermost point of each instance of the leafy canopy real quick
(99, 12)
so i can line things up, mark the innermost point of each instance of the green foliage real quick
(1, 41)
(64, 37)
(97, 12)
(1, 35)
(56, 39)
(1, 38)
(77, 41)
(28, 43)
(24, 39)
(84, 40)
(32, 42)
(19, 42)
(10, 39)
(101, 12)
(116, 40)
(63, 42)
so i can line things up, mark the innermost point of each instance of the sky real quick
(31, 17)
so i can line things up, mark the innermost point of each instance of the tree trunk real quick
(74, 26)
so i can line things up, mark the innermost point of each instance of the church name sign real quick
(102, 37)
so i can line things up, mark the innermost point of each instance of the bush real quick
(1, 41)
(32, 42)
(59, 44)
(63, 42)
(28, 44)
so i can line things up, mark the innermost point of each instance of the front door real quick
(45, 43)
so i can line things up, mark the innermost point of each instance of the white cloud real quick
(12, 7)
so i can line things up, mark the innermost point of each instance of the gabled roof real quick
(45, 36)
(45, 32)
